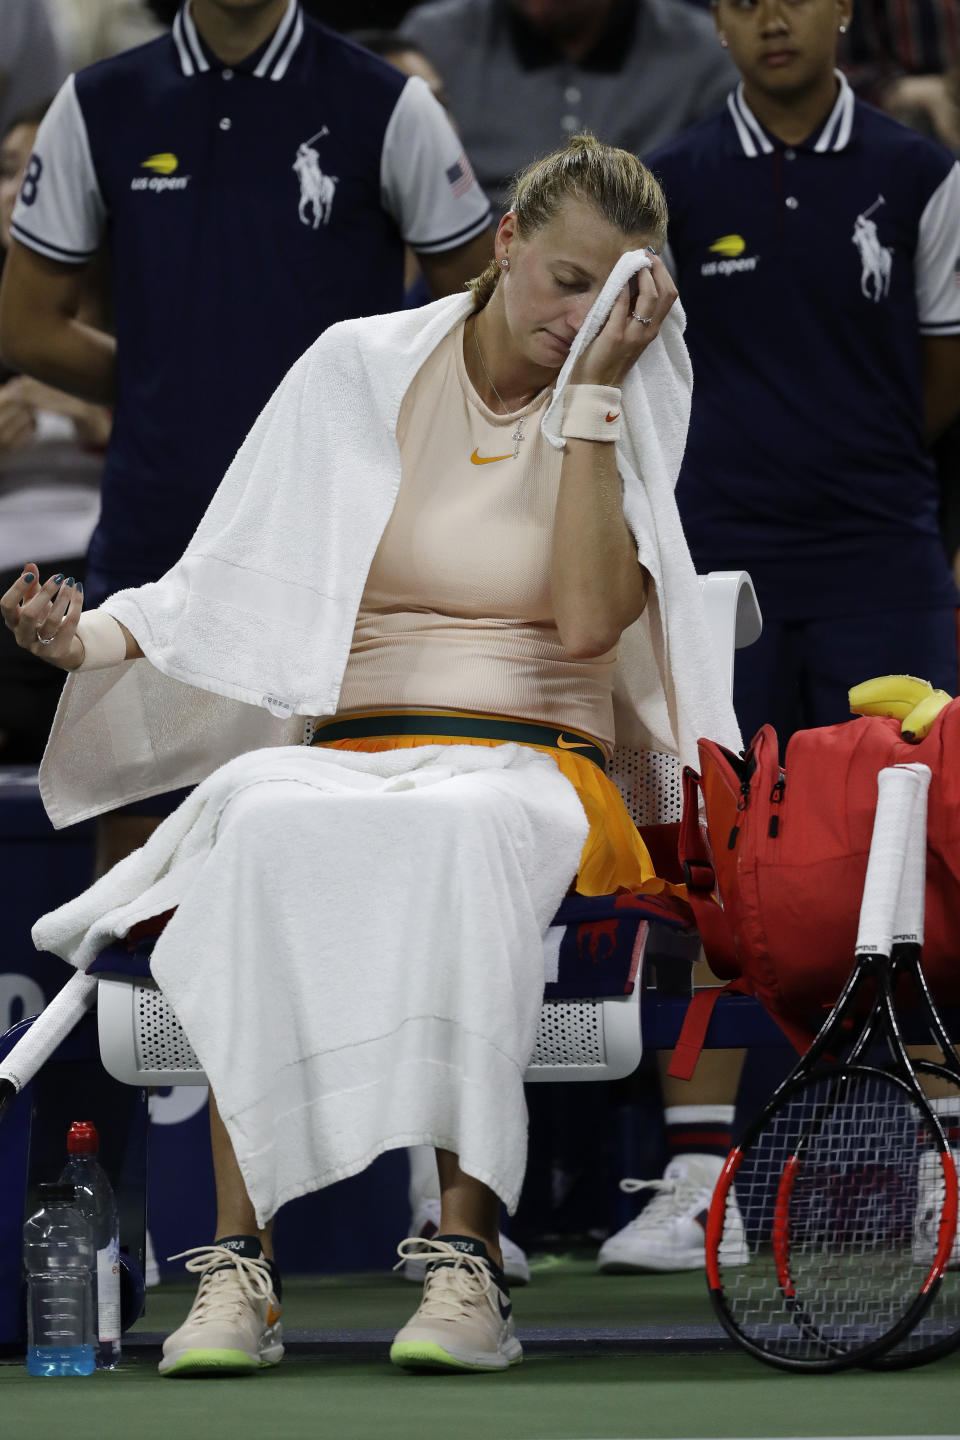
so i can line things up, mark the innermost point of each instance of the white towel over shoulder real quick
(357, 956)
(252, 627)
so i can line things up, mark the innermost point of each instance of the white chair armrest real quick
(733, 614)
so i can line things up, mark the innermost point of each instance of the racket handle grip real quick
(908, 925)
(896, 792)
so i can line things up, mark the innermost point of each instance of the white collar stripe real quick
(193, 40)
(751, 122)
(280, 36)
(835, 134)
(280, 69)
(743, 133)
(186, 64)
(845, 127)
(283, 43)
(829, 131)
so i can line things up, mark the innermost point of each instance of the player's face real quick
(15, 152)
(782, 47)
(554, 277)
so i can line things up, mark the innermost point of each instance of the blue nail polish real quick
(29, 577)
(70, 581)
(57, 579)
(80, 586)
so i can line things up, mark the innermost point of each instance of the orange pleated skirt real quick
(614, 856)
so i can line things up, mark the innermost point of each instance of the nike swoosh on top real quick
(572, 744)
(477, 459)
(612, 417)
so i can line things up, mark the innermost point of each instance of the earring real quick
(723, 42)
(843, 29)
(505, 264)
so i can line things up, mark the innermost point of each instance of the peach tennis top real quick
(457, 613)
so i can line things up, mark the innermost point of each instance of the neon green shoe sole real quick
(427, 1355)
(211, 1362)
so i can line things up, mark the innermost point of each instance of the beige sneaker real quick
(465, 1319)
(233, 1327)
(425, 1225)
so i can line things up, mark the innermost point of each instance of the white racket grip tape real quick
(908, 926)
(104, 643)
(50, 1027)
(896, 792)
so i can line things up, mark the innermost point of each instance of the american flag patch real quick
(460, 175)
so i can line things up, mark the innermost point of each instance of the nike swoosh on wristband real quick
(572, 744)
(612, 417)
(477, 459)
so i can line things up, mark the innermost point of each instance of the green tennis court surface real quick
(607, 1358)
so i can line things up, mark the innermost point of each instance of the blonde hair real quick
(618, 186)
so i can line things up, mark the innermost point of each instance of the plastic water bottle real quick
(58, 1255)
(96, 1199)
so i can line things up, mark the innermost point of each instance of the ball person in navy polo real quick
(816, 242)
(254, 177)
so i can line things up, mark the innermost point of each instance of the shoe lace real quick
(673, 1195)
(449, 1289)
(224, 1293)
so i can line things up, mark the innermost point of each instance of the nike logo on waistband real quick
(612, 417)
(477, 459)
(572, 744)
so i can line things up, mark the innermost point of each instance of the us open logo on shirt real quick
(733, 261)
(164, 166)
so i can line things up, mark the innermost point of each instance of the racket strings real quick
(826, 1204)
(938, 1329)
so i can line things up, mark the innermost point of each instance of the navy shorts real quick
(798, 673)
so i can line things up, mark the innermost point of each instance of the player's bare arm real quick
(40, 334)
(597, 586)
(941, 382)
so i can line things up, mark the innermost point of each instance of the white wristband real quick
(104, 643)
(591, 412)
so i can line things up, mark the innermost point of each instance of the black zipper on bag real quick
(776, 798)
(742, 803)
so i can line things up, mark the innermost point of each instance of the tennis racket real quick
(810, 1236)
(937, 1332)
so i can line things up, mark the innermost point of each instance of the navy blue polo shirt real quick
(245, 210)
(809, 275)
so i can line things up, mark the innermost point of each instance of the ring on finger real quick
(43, 639)
(644, 319)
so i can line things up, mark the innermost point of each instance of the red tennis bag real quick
(776, 881)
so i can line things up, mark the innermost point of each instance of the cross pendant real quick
(516, 437)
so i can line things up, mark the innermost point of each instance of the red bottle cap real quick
(82, 1138)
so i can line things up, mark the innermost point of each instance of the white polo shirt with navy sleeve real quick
(810, 274)
(245, 209)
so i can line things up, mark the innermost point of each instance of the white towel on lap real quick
(357, 956)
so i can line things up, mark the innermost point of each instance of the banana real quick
(892, 695)
(918, 724)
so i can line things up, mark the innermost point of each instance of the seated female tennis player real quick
(449, 540)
